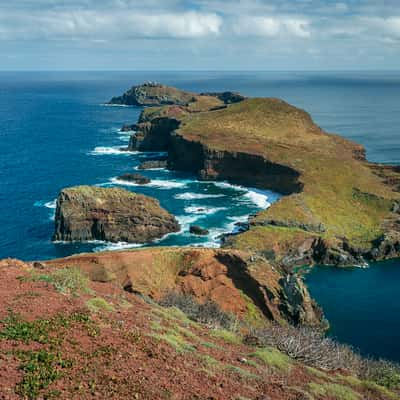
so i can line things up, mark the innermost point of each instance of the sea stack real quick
(86, 213)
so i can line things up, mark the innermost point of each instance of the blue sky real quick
(199, 34)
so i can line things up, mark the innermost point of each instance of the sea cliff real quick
(338, 208)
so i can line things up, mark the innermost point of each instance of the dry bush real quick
(208, 313)
(310, 346)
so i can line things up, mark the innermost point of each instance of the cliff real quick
(92, 213)
(339, 209)
(237, 282)
(63, 336)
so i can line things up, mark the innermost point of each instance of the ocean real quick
(55, 132)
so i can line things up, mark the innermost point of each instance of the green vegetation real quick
(341, 193)
(40, 369)
(43, 330)
(65, 280)
(99, 304)
(334, 391)
(15, 328)
(227, 336)
(273, 358)
(243, 373)
(175, 340)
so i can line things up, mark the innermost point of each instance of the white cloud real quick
(272, 26)
(101, 25)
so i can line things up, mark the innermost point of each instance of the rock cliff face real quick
(153, 94)
(236, 281)
(91, 213)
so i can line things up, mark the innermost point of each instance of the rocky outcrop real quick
(238, 282)
(226, 97)
(135, 178)
(92, 213)
(153, 94)
(198, 230)
(153, 164)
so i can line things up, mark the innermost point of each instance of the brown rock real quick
(92, 213)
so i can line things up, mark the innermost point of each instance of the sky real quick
(199, 35)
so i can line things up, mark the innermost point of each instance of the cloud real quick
(272, 26)
(103, 25)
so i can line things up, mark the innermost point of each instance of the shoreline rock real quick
(85, 213)
(136, 178)
(197, 230)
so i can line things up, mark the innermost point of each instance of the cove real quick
(362, 305)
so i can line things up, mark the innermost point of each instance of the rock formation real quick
(339, 209)
(152, 164)
(153, 94)
(197, 230)
(135, 178)
(237, 281)
(92, 213)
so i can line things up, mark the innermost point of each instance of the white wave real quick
(203, 210)
(51, 204)
(156, 183)
(227, 185)
(48, 204)
(186, 220)
(165, 184)
(109, 246)
(116, 181)
(195, 196)
(114, 105)
(116, 150)
(258, 197)
(151, 169)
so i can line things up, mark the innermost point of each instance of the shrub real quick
(65, 280)
(208, 313)
(310, 346)
(99, 304)
(382, 372)
(40, 369)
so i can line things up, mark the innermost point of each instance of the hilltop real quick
(65, 336)
(339, 209)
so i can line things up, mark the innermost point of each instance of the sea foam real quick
(203, 210)
(115, 150)
(197, 196)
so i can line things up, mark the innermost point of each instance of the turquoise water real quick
(55, 133)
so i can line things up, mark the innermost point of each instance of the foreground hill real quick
(339, 209)
(63, 336)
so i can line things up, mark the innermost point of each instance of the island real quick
(337, 209)
(85, 213)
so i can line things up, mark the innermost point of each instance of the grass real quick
(273, 358)
(340, 192)
(227, 336)
(243, 373)
(176, 341)
(334, 391)
(98, 304)
(69, 280)
(40, 369)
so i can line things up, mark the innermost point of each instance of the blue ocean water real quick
(55, 133)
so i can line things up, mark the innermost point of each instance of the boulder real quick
(92, 213)
(197, 230)
(151, 164)
(136, 178)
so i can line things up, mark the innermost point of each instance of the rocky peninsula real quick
(116, 215)
(338, 209)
